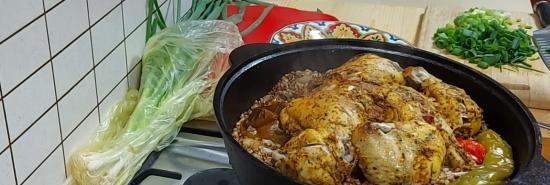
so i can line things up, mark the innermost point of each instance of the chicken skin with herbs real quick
(365, 122)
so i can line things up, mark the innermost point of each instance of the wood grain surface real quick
(533, 88)
(402, 21)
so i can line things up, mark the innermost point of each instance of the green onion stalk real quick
(180, 68)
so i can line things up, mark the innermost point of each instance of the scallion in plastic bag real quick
(180, 68)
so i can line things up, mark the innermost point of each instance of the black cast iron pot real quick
(257, 67)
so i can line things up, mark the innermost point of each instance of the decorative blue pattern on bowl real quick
(331, 29)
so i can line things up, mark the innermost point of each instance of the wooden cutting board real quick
(402, 21)
(533, 88)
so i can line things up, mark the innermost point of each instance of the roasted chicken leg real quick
(460, 111)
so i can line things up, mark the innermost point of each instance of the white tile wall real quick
(51, 172)
(74, 107)
(24, 105)
(6, 177)
(12, 18)
(113, 98)
(113, 67)
(50, 3)
(107, 34)
(22, 54)
(135, 12)
(72, 64)
(64, 64)
(62, 30)
(135, 45)
(36, 144)
(98, 8)
(4, 141)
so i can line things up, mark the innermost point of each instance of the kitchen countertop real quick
(405, 20)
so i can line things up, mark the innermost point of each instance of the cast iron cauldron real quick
(257, 67)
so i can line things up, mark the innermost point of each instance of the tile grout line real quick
(30, 22)
(96, 107)
(93, 57)
(63, 49)
(51, 60)
(118, 83)
(3, 96)
(41, 163)
(54, 88)
(9, 138)
(4, 149)
(105, 15)
(26, 78)
(73, 130)
(38, 17)
(62, 140)
(113, 89)
(91, 70)
(64, 95)
(70, 89)
(124, 40)
(33, 123)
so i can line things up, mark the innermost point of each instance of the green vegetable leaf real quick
(179, 69)
(485, 37)
(483, 65)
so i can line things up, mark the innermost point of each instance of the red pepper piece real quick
(473, 148)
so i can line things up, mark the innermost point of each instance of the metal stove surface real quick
(193, 150)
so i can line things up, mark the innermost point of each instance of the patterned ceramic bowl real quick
(331, 29)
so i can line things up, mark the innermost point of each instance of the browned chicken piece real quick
(361, 112)
(369, 68)
(331, 106)
(343, 97)
(328, 114)
(461, 112)
(399, 152)
(402, 103)
(311, 157)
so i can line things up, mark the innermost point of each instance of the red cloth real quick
(276, 19)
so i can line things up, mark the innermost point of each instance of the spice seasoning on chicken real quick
(366, 122)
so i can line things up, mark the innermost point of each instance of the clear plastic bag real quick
(180, 68)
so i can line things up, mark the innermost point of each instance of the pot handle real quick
(544, 125)
(248, 51)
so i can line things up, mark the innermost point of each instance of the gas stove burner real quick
(191, 152)
(215, 176)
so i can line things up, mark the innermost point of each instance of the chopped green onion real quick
(486, 38)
